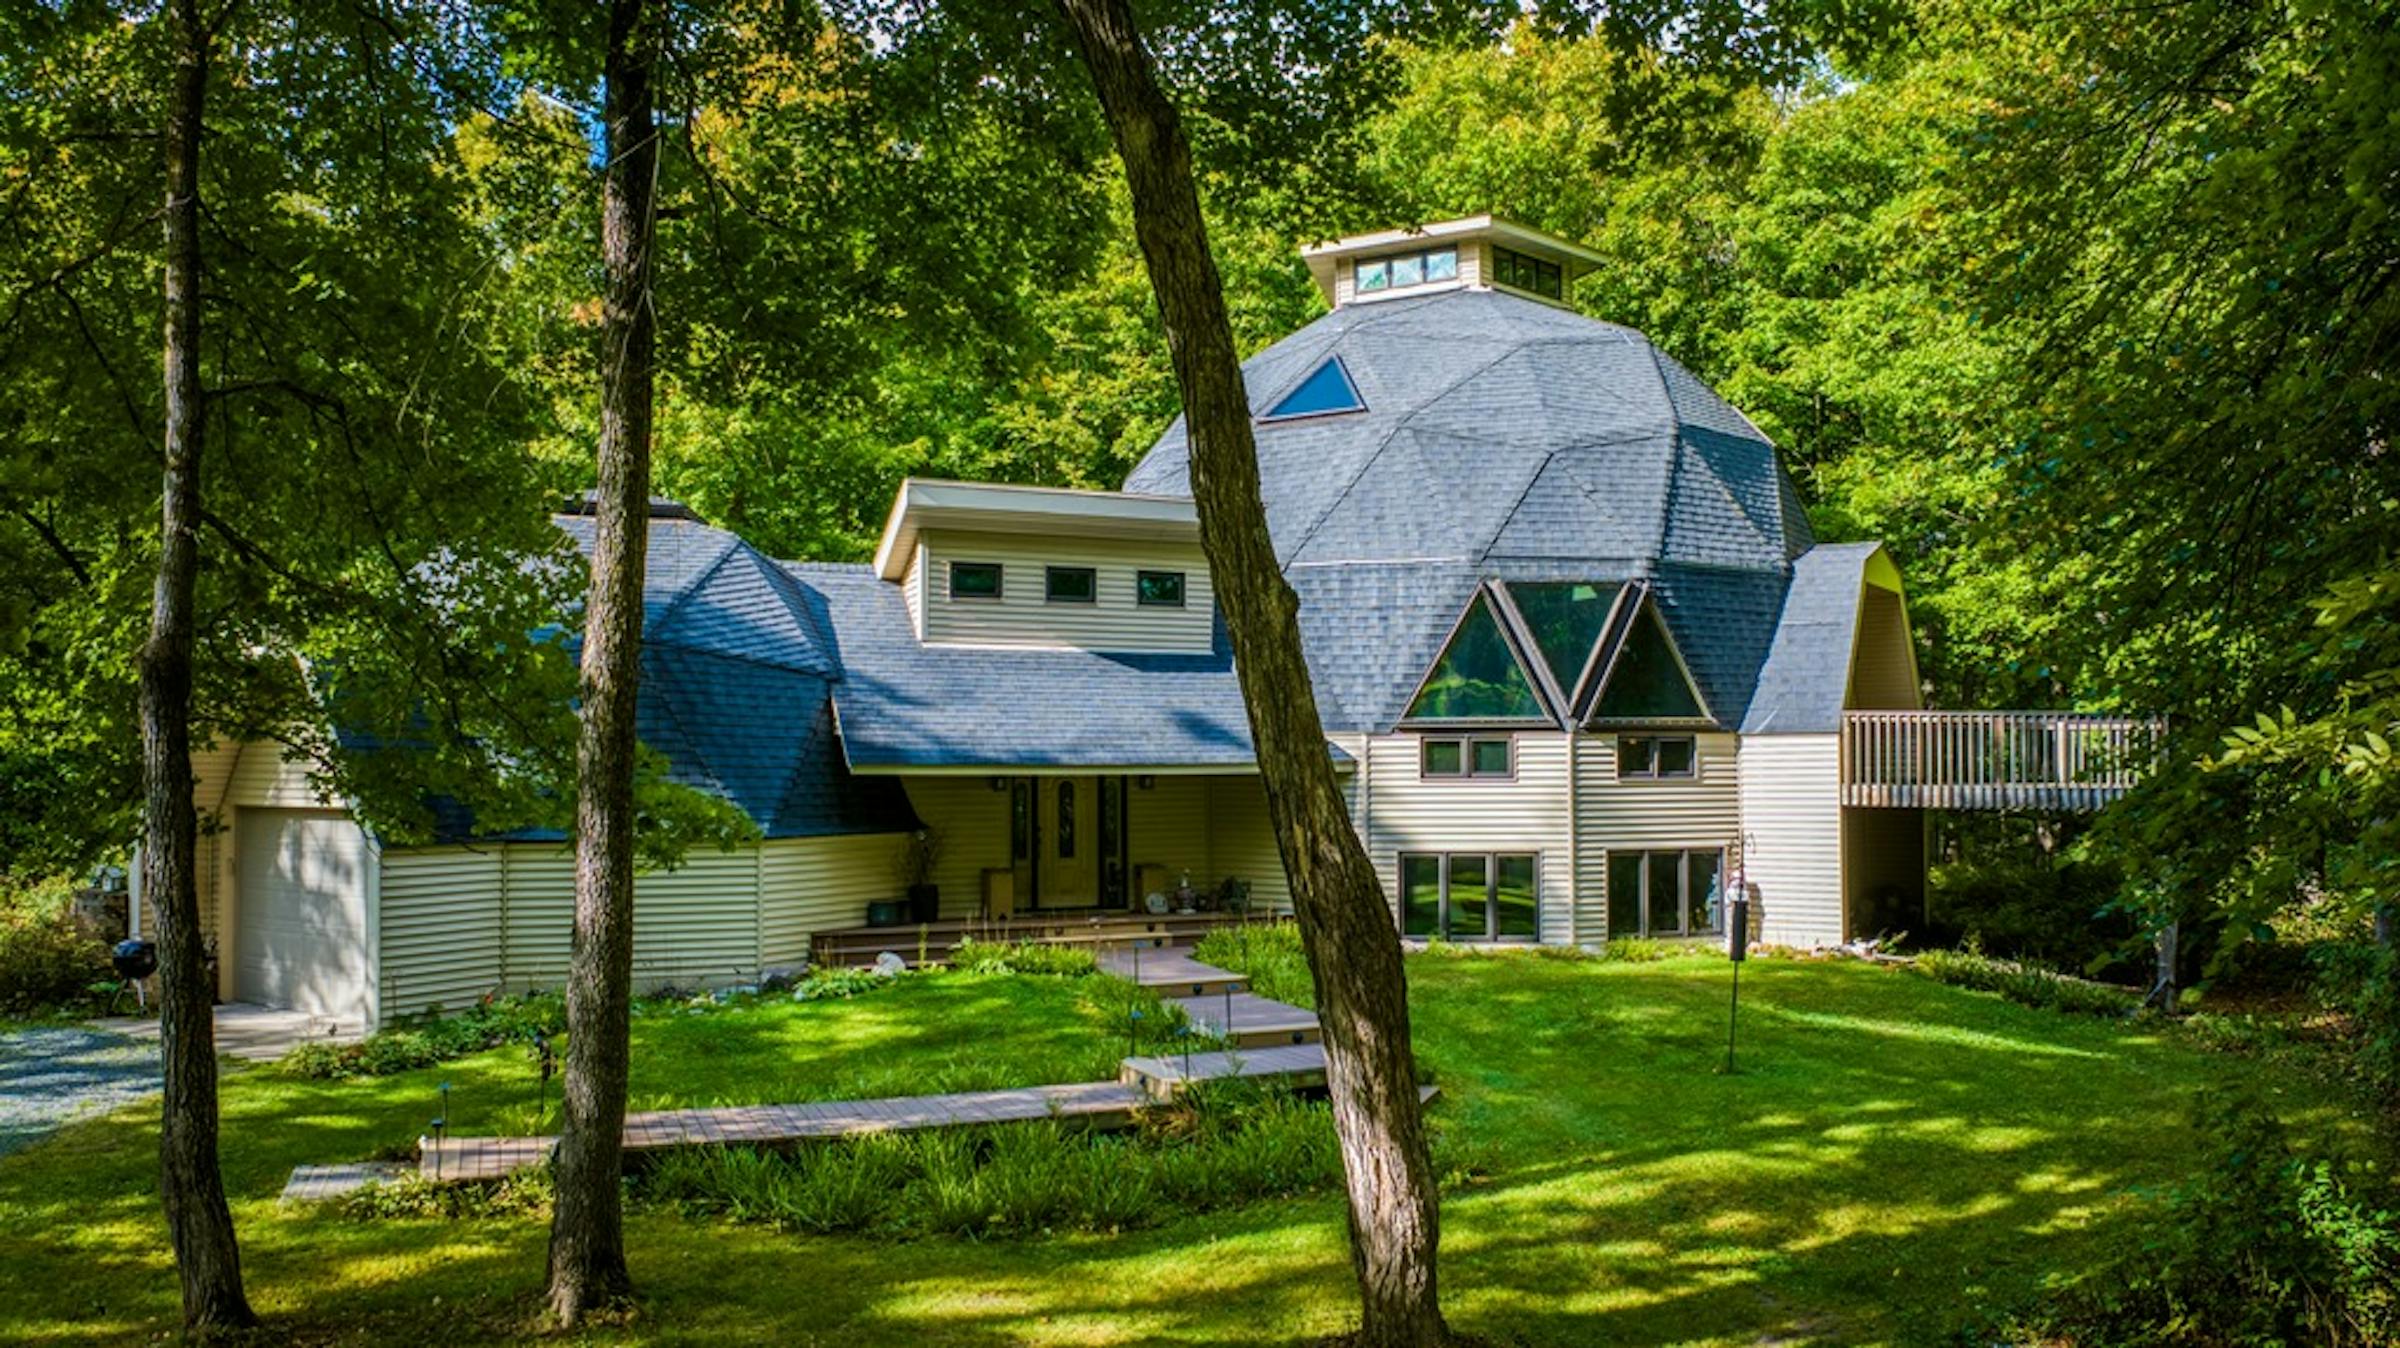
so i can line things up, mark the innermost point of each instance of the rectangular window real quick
(1158, 589)
(1467, 756)
(1470, 896)
(974, 580)
(1519, 272)
(1374, 276)
(1070, 584)
(1420, 896)
(1666, 893)
(1403, 270)
(1652, 757)
(1441, 758)
(1408, 271)
(1441, 265)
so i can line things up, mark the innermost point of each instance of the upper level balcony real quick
(1994, 760)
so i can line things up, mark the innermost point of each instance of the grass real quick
(1894, 1154)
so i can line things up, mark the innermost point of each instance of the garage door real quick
(300, 912)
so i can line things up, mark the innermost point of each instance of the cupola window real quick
(1402, 270)
(1529, 274)
(1327, 390)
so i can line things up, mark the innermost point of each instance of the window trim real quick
(1050, 575)
(1466, 758)
(1424, 254)
(1616, 643)
(999, 580)
(1182, 589)
(1491, 894)
(1509, 637)
(1690, 774)
(1271, 418)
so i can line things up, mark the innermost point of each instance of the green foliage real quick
(1232, 1146)
(2263, 1247)
(2362, 981)
(837, 982)
(435, 1038)
(49, 960)
(1267, 954)
(2018, 903)
(2019, 981)
(528, 1193)
(1637, 949)
(1023, 957)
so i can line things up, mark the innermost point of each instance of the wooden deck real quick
(1101, 929)
(1994, 760)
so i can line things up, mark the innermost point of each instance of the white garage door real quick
(300, 912)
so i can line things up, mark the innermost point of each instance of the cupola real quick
(1479, 251)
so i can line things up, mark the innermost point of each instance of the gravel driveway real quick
(51, 1076)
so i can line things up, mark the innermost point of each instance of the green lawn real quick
(1893, 1153)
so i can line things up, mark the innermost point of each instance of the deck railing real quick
(1994, 760)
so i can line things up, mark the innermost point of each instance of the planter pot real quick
(924, 903)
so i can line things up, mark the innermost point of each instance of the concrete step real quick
(1253, 1022)
(1173, 972)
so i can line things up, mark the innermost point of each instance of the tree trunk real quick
(199, 1225)
(1346, 927)
(587, 1229)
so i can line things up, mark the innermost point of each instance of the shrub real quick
(2022, 905)
(2265, 1247)
(1267, 954)
(50, 960)
(2023, 982)
(433, 1039)
(2362, 981)
(837, 982)
(411, 1196)
(1023, 957)
(1635, 950)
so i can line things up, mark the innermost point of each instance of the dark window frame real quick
(1466, 758)
(1050, 575)
(1654, 772)
(1683, 857)
(1491, 894)
(1527, 273)
(999, 580)
(1141, 599)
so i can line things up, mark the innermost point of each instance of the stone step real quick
(1254, 1022)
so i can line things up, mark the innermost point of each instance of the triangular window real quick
(1479, 677)
(1647, 681)
(1566, 620)
(1326, 390)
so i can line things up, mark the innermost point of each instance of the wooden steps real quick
(1163, 1076)
(1247, 1020)
(1100, 931)
(1172, 972)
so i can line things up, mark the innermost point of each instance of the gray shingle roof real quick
(904, 704)
(1504, 437)
(1806, 677)
(738, 672)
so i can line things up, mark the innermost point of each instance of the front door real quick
(1068, 874)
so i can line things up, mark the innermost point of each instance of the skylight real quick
(1478, 677)
(1566, 620)
(1326, 390)
(1647, 681)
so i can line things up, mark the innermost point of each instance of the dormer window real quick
(1530, 274)
(1402, 270)
(974, 580)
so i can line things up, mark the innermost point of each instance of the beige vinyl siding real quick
(1345, 281)
(816, 884)
(697, 925)
(1791, 820)
(1474, 262)
(441, 928)
(537, 900)
(912, 592)
(1023, 616)
(1697, 812)
(1883, 670)
(1241, 841)
(971, 819)
(1530, 813)
(1173, 825)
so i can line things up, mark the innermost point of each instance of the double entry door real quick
(1067, 840)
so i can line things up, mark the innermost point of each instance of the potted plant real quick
(919, 852)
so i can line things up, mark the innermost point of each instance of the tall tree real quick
(199, 1223)
(587, 1233)
(1345, 922)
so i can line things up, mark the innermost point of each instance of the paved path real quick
(251, 1033)
(53, 1075)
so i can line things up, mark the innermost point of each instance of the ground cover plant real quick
(2024, 981)
(1895, 1155)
